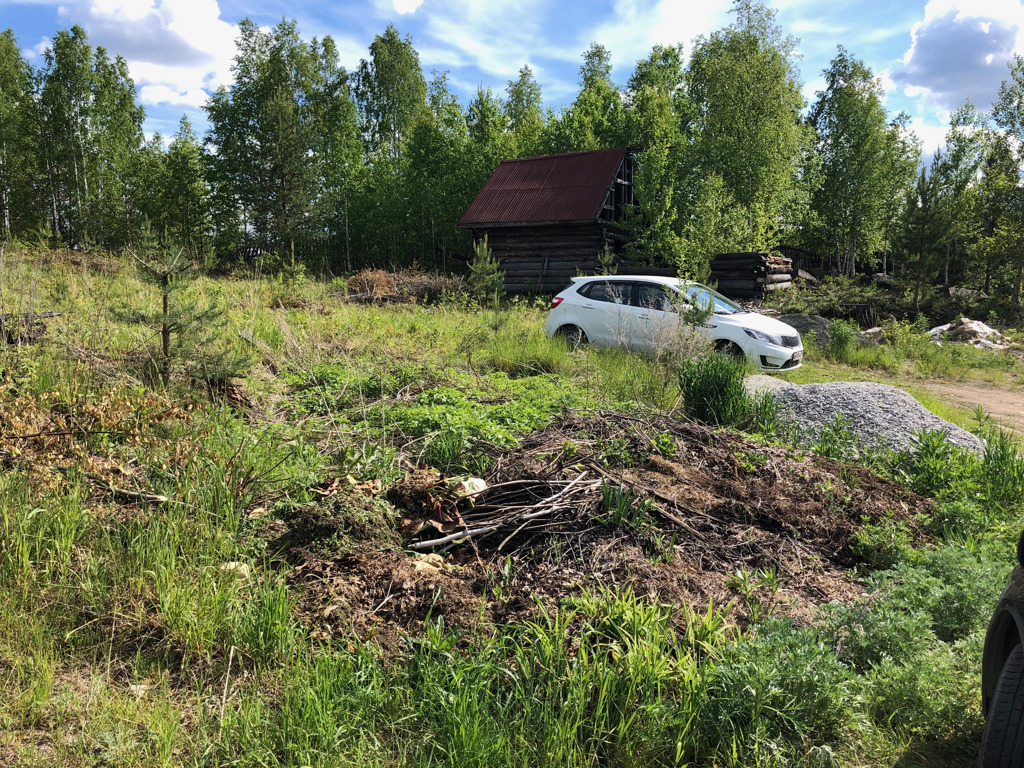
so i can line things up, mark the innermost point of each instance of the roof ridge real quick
(562, 154)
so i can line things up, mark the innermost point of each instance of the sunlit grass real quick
(166, 634)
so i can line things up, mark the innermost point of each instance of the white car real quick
(642, 313)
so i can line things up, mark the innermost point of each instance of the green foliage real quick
(606, 261)
(717, 225)
(746, 97)
(883, 544)
(842, 341)
(622, 506)
(866, 165)
(187, 331)
(712, 389)
(452, 424)
(923, 699)
(485, 278)
(713, 392)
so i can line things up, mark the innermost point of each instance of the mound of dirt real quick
(703, 510)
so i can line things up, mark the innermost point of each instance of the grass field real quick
(261, 604)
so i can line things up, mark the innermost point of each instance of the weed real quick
(622, 506)
(665, 445)
(883, 544)
(713, 391)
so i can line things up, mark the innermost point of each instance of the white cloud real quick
(38, 49)
(164, 95)
(407, 6)
(176, 49)
(932, 136)
(960, 49)
(496, 36)
(637, 26)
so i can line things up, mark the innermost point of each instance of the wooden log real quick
(778, 286)
(739, 283)
(738, 265)
(749, 255)
(784, 278)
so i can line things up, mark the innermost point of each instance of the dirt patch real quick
(1004, 405)
(702, 516)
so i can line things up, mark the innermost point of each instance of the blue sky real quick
(930, 55)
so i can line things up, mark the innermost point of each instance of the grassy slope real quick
(127, 638)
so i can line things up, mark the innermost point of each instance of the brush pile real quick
(751, 275)
(676, 475)
(673, 509)
(406, 286)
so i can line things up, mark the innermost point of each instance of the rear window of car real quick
(600, 290)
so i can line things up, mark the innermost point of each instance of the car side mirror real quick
(1020, 550)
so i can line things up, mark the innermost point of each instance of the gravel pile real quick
(881, 415)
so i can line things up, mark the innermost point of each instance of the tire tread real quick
(1002, 746)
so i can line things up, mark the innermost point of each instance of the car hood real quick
(756, 322)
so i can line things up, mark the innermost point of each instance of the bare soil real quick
(715, 503)
(1006, 406)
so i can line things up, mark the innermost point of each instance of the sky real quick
(930, 55)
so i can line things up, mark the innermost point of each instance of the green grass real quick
(167, 635)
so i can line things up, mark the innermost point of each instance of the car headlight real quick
(762, 336)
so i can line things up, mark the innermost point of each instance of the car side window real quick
(600, 290)
(651, 296)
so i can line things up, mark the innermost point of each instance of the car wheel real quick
(1002, 746)
(573, 334)
(731, 348)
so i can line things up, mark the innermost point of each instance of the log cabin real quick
(547, 218)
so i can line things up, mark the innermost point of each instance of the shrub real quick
(842, 341)
(713, 391)
(925, 697)
(882, 544)
(782, 681)
(869, 631)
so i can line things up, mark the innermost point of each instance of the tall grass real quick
(133, 635)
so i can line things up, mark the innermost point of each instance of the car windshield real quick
(702, 296)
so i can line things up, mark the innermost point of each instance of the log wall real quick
(546, 256)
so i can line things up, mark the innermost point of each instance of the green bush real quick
(925, 697)
(782, 684)
(869, 631)
(842, 341)
(713, 391)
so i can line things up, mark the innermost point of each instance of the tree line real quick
(334, 169)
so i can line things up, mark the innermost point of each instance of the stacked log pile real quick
(751, 275)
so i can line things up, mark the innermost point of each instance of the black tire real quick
(731, 348)
(573, 334)
(1002, 746)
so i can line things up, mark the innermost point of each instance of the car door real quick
(655, 316)
(604, 312)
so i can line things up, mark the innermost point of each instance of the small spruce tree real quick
(186, 330)
(606, 261)
(485, 279)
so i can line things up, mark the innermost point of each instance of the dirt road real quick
(1006, 406)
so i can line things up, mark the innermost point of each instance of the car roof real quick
(673, 281)
(613, 278)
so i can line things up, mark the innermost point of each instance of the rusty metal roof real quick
(530, 190)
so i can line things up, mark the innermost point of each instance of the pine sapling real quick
(186, 330)
(485, 279)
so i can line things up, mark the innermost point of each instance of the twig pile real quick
(522, 505)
